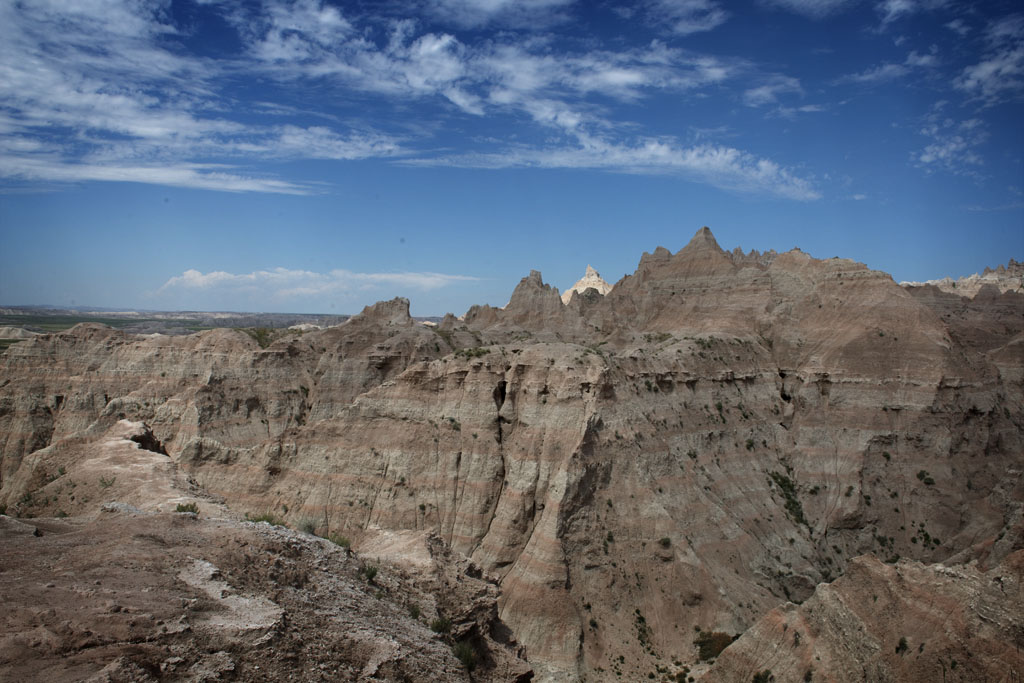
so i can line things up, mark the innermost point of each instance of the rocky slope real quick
(902, 622)
(130, 588)
(718, 434)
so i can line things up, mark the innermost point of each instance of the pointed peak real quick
(703, 239)
(591, 280)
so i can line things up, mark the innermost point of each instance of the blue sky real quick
(317, 156)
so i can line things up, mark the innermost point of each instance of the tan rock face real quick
(590, 280)
(903, 622)
(1008, 278)
(719, 433)
(144, 597)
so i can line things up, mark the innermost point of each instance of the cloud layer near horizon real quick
(283, 285)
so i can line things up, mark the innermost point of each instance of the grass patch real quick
(339, 540)
(268, 517)
(466, 654)
(187, 507)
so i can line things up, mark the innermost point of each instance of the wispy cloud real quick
(95, 81)
(959, 27)
(718, 165)
(814, 9)
(768, 92)
(891, 11)
(88, 98)
(531, 14)
(684, 17)
(954, 144)
(1000, 75)
(279, 284)
(893, 70)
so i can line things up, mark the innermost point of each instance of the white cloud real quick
(1000, 75)
(959, 27)
(791, 112)
(814, 9)
(892, 71)
(894, 10)
(768, 92)
(96, 81)
(86, 98)
(684, 17)
(193, 176)
(282, 283)
(721, 166)
(954, 146)
(510, 13)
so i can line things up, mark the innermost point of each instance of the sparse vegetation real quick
(341, 541)
(902, 647)
(369, 573)
(476, 352)
(262, 335)
(764, 676)
(441, 624)
(187, 507)
(308, 526)
(788, 488)
(268, 517)
(107, 483)
(711, 643)
(466, 654)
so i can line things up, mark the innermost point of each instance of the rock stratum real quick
(725, 444)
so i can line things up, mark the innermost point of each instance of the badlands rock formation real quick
(590, 280)
(719, 435)
(8, 332)
(1008, 278)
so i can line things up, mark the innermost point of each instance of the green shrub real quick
(414, 611)
(711, 643)
(187, 507)
(466, 654)
(308, 526)
(107, 483)
(370, 573)
(268, 517)
(902, 647)
(788, 488)
(340, 540)
(665, 542)
(441, 625)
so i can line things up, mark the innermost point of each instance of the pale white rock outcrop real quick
(592, 279)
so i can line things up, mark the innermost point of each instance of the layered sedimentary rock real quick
(1008, 278)
(902, 622)
(719, 433)
(131, 596)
